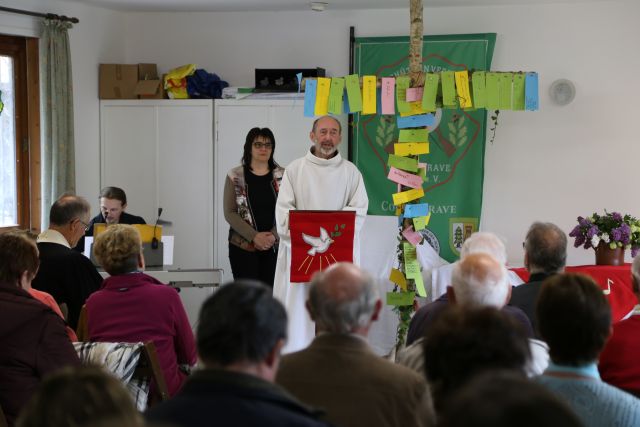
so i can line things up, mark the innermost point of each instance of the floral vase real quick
(607, 256)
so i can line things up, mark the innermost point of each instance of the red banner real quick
(319, 239)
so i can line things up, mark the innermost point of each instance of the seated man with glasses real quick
(67, 275)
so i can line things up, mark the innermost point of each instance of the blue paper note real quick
(310, 98)
(418, 209)
(345, 103)
(531, 91)
(415, 121)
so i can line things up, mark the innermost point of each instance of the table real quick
(615, 282)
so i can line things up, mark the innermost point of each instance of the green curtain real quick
(56, 115)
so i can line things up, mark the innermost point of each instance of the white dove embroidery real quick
(320, 244)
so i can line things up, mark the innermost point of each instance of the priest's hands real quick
(264, 240)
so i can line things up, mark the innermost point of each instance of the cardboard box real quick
(130, 81)
(118, 81)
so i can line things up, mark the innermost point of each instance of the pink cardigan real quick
(136, 307)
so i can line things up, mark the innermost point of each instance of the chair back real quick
(3, 420)
(82, 330)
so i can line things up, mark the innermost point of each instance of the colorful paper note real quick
(388, 95)
(407, 196)
(369, 95)
(397, 277)
(310, 98)
(479, 89)
(417, 278)
(404, 178)
(414, 94)
(422, 171)
(322, 96)
(412, 268)
(462, 89)
(404, 163)
(419, 223)
(299, 78)
(402, 84)
(448, 88)
(415, 108)
(335, 95)
(518, 91)
(413, 135)
(506, 82)
(416, 209)
(411, 148)
(399, 299)
(431, 83)
(411, 236)
(415, 121)
(493, 91)
(352, 82)
(531, 92)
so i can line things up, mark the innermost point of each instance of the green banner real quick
(455, 164)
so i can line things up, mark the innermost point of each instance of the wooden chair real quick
(82, 331)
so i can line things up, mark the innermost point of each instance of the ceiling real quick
(291, 5)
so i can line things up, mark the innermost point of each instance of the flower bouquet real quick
(611, 229)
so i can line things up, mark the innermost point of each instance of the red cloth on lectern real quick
(319, 239)
(615, 281)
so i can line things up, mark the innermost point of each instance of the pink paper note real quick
(388, 95)
(404, 178)
(413, 237)
(414, 94)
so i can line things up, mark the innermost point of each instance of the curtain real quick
(56, 115)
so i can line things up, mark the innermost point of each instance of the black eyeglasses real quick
(259, 145)
(86, 226)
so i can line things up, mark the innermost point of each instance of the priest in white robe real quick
(321, 180)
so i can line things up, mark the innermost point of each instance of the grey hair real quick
(478, 282)
(635, 269)
(546, 248)
(342, 316)
(484, 242)
(67, 208)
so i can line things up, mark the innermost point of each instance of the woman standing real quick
(250, 194)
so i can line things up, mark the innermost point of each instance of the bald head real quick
(480, 280)
(342, 299)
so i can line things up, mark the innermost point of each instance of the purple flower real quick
(592, 231)
(634, 251)
(616, 216)
(616, 234)
(577, 230)
(579, 240)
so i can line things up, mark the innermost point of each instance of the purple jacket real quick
(33, 343)
(136, 307)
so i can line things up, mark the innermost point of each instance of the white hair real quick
(484, 242)
(480, 280)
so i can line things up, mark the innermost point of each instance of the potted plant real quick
(609, 235)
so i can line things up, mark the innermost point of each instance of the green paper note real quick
(404, 163)
(400, 298)
(402, 84)
(506, 81)
(518, 91)
(448, 89)
(353, 93)
(423, 173)
(493, 91)
(413, 135)
(419, 223)
(417, 278)
(335, 95)
(430, 92)
(479, 89)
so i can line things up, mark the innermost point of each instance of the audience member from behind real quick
(619, 361)
(33, 340)
(113, 203)
(574, 318)
(482, 242)
(80, 397)
(241, 331)
(250, 193)
(545, 254)
(339, 372)
(465, 342)
(504, 399)
(131, 307)
(67, 275)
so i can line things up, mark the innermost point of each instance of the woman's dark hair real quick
(251, 136)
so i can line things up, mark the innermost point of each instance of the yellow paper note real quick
(415, 108)
(427, 219)
(407, 196)
(462, 88)
(398, 278)
(369, 101)
(322, 96)
(411, 148)
(419, 223)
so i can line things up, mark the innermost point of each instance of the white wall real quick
(551, 165)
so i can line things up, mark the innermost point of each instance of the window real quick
(19, 138)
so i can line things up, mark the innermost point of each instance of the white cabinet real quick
(161, 153)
